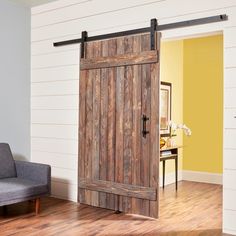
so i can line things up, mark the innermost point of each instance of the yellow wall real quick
(195, 69)
(172, 71)
(203, 104)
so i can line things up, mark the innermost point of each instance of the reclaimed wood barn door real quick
(119, 125)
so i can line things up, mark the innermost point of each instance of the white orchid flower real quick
(175, 126)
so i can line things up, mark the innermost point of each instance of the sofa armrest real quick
(39, 173)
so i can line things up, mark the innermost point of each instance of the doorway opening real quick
(194, 67)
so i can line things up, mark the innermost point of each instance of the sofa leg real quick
(4, 210)
(37, 206)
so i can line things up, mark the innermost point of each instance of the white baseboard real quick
(229, 232)
(195, 176)
(203, 177)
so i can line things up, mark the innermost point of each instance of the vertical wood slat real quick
(128, 125)
(89, 125)
(154, 132)
(96, 121)
(103, 128)
(119, 123)
(112, 45)
(82, 133)
(136, 146)
(145, 153)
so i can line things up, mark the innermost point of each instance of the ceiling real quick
(32, 3)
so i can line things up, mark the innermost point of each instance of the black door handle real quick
(145, 132)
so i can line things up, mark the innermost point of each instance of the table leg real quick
(163, 171)
(176, 173)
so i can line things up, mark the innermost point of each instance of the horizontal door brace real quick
(119, 189)
(146, 57)
(181, 24)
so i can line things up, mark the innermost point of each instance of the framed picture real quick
(165, 108)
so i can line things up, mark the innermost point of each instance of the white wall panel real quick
(88, 9)
(64, 175)
(230, 118)
(230, 97)
(229, 179)
(229, 138)
(230, 57)
(64, 190)
(55, 102)
(229, 221)
(66, 117)
(229, 82)
(54, 131)
(46, 46)
(230, 159)
(55, 88)
(65, 161)
(55, 5)
(68, 72)
(51, 145)
(229, 197)
(230, 37)
(55, 59)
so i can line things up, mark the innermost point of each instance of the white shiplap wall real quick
(55, 76)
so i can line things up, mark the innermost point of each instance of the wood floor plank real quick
(196, 210)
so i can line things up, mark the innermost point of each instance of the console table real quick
(169, 153)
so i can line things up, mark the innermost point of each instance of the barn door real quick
(119, 125)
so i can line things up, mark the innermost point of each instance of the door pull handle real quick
(145, 132)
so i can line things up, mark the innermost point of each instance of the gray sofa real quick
(22, 181)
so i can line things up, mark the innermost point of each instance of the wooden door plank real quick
(96, 121)
(127, 190)
(145, 77)
(128, 124)
(136, 146)
(112, 45)
(119, 123)
(89, 124)
(154, 134)
(103, 127)
(128, 59)
(89, 132)
(82, 132)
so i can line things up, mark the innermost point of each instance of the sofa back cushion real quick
(7, 164)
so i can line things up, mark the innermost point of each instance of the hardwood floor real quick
(195, 210)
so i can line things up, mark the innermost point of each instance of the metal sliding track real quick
(154, 27)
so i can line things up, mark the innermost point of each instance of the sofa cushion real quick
(7, 164)
(16, 188)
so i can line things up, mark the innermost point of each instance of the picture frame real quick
(165, 108)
